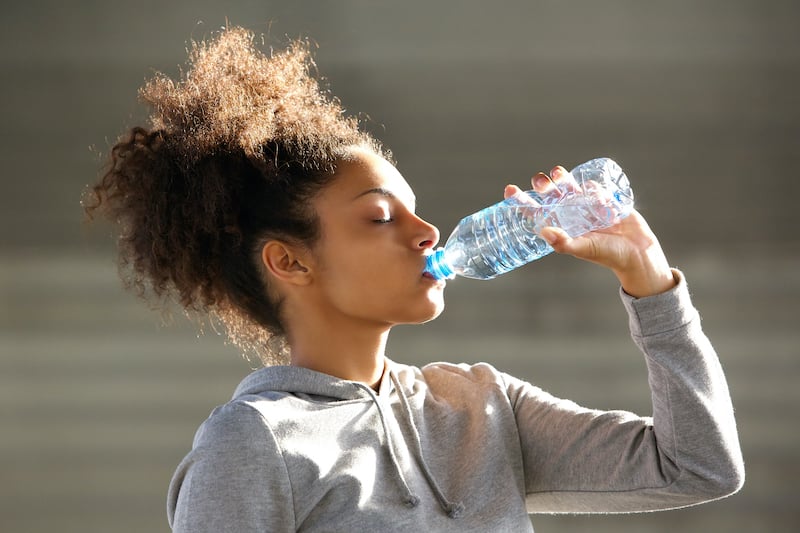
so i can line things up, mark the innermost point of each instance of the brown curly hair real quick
(236, 149)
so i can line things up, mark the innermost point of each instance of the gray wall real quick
(697, 100)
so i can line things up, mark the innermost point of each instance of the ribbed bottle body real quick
(504, 236)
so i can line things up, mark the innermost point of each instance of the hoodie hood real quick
(301, 381)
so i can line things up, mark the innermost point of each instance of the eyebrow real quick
(384, 192)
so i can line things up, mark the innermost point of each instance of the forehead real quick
(365, 172)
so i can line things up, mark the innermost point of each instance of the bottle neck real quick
(437, 266)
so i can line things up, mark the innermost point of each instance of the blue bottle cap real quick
(437, 266)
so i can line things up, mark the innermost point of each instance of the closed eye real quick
(384, 220)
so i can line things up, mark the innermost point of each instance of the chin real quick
(421, 315)
(430, 319)
(434, 313)
(421, 310)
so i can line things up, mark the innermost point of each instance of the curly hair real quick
(235, 151)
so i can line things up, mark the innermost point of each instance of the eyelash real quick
(384, 220)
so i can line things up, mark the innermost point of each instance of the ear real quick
(286, 263)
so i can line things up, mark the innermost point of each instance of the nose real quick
(427, 235)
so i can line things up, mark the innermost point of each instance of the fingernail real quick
(541, 180)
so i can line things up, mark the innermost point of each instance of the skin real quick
(362, 277)
(629, 249)
(365, 273)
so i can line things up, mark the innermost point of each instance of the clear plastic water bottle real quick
(505, 236)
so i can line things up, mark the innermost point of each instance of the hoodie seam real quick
(335, 403)
(281, 452)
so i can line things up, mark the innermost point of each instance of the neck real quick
(351, 353)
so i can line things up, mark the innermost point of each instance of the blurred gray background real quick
(698, 100)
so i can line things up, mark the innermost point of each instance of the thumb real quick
(585, 247)
(562, 243)
(555, 237)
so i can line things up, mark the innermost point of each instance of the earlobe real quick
(285, 263)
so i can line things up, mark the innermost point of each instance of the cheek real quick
(360, 262)
(370, 289)
(355, 266)
(352, 277)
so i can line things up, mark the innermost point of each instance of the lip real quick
(429, 277)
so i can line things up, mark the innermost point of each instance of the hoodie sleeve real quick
(233, 480)
(581, 460)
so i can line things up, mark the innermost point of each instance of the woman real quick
(252, 198)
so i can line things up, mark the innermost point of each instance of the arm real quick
(234, 479)
(619, 462)
(615, 461)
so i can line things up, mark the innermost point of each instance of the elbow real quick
(732, 475)
(734, 480)
(723, 481)
(719, 469)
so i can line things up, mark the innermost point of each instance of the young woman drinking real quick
(251, 197)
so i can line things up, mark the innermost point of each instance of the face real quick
(368, 264)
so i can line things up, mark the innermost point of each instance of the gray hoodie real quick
(461, 448)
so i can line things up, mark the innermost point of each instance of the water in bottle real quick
(505, 236)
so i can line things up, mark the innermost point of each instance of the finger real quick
(510, 191)
(520, 197)
(556, 185)
(564, 180)
(543, 184)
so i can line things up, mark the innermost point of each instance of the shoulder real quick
(443, 378)
(234, 478)
(477, 373)
(236, 424)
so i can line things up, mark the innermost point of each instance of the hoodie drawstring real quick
(453, 509)
(411, 499)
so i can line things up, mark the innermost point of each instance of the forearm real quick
(692, 412)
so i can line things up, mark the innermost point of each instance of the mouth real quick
(429, 275)
(431, 278)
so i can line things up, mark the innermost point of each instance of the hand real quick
(629, 249)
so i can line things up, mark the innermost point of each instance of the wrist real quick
(648, 277)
